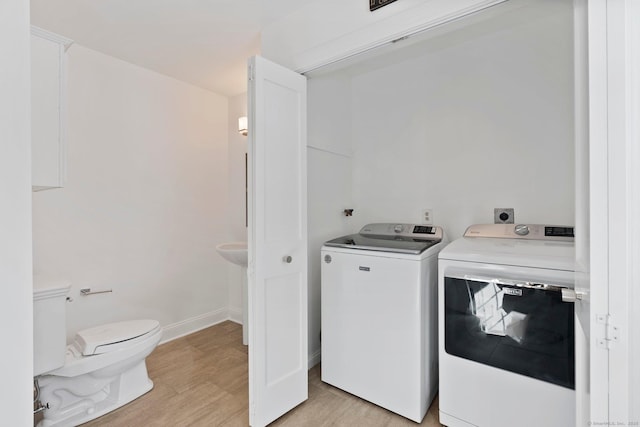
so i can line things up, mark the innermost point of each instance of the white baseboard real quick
(194, 324)
(314, 359)
(235, 315)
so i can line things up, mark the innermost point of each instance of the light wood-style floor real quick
(202, 380)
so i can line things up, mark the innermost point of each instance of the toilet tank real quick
(49, 325)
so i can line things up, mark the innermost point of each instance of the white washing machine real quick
(379, 302)
(506, 327)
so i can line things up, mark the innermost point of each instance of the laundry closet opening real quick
(461, 119)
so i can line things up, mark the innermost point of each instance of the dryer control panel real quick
(522, 231)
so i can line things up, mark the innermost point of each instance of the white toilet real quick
(103, 369)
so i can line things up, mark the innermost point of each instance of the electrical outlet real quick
(503, 215)
(426, 216)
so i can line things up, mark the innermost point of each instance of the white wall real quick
(485, 122)
(16, 316)
(328, 182)
(473, 120)
(237, 199)
(146, 199)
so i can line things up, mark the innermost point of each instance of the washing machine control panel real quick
(522, 231)
(416, 231)
(424, 229)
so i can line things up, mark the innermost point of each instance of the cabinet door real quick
(47, 109)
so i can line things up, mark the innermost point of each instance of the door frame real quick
(16, 309)
(614, 208)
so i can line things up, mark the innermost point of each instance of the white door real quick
(277, 241)
(607, 238)
(583, 216)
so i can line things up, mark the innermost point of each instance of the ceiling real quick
(472, 26)
(202, 42)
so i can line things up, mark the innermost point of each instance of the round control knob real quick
(398, 228)
(521, 230)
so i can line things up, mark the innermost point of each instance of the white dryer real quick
(506, 327)
(379, 301)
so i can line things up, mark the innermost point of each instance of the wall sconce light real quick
(243, 126)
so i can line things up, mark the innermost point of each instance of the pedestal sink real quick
(234, 252)
(237, 253)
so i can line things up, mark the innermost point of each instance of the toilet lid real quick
(105, 338)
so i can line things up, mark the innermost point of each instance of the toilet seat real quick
(77, 364)
(112, 336)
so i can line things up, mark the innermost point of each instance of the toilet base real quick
(76, 400)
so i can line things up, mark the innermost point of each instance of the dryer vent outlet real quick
(503, 216)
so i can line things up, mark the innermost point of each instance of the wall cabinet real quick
(48, 109)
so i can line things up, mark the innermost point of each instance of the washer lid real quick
(391, 237)
(396, 244)
(109, 337)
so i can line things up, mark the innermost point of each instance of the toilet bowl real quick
(104, 368)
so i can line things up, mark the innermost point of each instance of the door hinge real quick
(251, 73)
(608, 333)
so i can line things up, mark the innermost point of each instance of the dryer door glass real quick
(522, 330)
